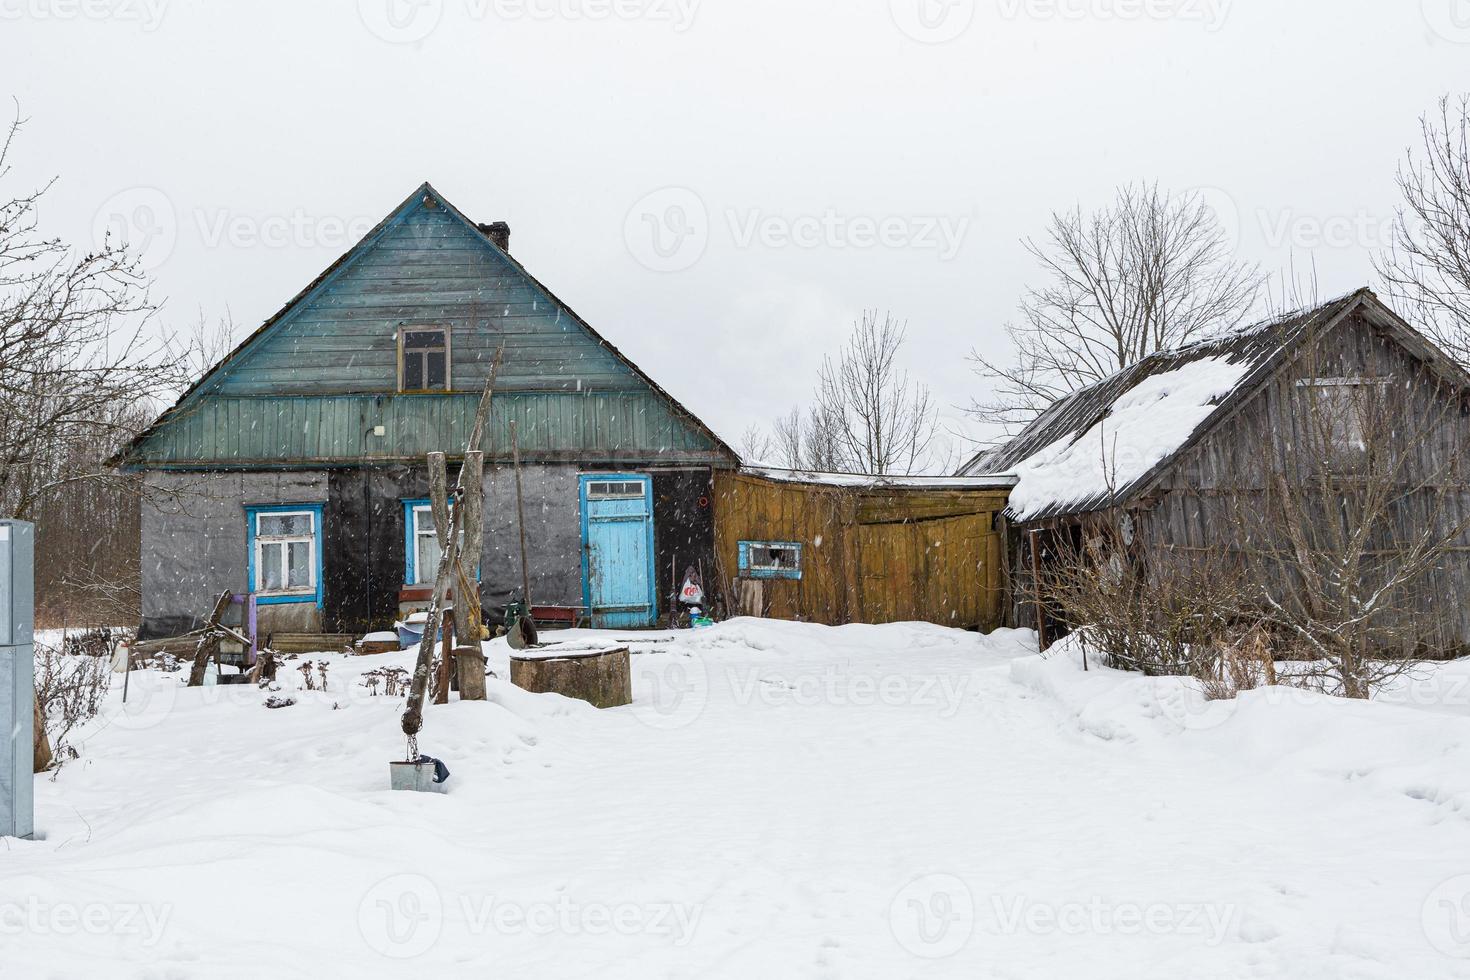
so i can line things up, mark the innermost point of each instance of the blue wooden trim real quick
(586, 547)
(582, 481)
(743, 560)
(318, 511)
(410, 546)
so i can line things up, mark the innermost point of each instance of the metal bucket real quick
(417, 777)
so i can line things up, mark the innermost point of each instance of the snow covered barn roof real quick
(1108, 443)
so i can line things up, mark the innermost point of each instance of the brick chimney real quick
(499, 233)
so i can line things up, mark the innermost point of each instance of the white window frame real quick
(285, 540)
(627, 489)
(792, 548)
(423, 527)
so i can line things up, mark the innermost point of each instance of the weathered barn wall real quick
(193, 546)
(1221, 478)
(869, 556)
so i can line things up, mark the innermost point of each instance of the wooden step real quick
(310, 642)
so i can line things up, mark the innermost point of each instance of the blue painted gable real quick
(427, 267)
(315, 382)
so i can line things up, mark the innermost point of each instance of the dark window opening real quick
(425, 360)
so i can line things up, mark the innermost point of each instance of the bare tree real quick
(788, 438)
(1147, 273)
(1427, 269)
(875, 418)
(83, 368)
(811, 440)
(77, 341)
(866, 415)
(755, 445)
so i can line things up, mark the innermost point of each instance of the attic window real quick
(423, 359)
(1338, 416)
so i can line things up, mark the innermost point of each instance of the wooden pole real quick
(1036, 592)
(446, 656)
(413, 712)
(515, 455)
(467, 588)
(439, 503)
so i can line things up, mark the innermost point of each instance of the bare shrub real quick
(1178, 623)
(69, 691)
(101, 641)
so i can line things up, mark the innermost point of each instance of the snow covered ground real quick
(782, 800)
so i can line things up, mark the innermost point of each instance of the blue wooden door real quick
(617, 550)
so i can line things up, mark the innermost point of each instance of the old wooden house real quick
(295, 468)
(833, 548)
(1171, 455)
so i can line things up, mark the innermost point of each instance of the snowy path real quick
(783, 800)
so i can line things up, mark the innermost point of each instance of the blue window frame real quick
(283, 543)
(770, 559)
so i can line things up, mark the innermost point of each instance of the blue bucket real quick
(410, 635)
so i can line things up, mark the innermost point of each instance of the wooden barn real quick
(1173, 456)
(835, 549)
(295, 469)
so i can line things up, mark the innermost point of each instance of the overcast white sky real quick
(799, 160)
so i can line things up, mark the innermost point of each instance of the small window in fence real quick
(770, 559)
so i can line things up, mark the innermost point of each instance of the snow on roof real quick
(1098, 446)
(1144, 426)
(864, 481)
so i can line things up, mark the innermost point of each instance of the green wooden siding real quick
(339, 428)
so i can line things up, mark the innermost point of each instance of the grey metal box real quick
(17, 665)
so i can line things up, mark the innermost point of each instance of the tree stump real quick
(599, 677)
(469, 663)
